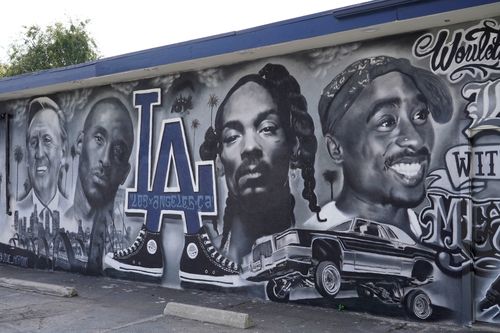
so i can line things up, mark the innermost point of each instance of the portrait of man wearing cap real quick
(46, 145)
(377, 119)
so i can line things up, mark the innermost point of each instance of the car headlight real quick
(291, 237)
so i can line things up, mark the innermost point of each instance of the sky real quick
(125, 26)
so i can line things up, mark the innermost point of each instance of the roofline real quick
(337, 26)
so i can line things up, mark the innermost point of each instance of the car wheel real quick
(419, 305)
(276, 293)
(327, 279)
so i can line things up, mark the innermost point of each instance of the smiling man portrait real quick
(376, 119)
(46, 143)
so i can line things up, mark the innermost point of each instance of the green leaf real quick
(57, 45)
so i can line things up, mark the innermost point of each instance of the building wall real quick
(363, 175)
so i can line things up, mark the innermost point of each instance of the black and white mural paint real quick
(361, 176)
(3, 167)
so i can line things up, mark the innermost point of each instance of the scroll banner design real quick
(468, 168)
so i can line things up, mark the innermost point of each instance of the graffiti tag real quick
(474, 51)
(11, 259)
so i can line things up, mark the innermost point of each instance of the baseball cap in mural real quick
(40, 103)
(344, 89)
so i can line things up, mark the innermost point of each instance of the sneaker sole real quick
(221, 281)
(111, 263)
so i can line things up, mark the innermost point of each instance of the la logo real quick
(171, 157)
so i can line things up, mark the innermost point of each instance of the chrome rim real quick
(278, 291)
(331, 279)
(422, 306)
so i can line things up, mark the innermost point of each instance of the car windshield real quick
(265, 249)
(345, 226)
(367, 228)
(399, 235)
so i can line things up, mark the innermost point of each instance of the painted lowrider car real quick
(377, 259)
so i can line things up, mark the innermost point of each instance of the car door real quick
(374, 251)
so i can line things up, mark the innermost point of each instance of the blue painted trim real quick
(48, 77)
(315, 25)
(285, 31)
(424, 8)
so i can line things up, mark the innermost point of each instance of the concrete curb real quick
(42, 288)
(209, 315)
(137, 322)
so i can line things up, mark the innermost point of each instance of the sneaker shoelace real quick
(131, 249)
(216, 255)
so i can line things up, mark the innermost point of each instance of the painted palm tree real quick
(213, 101)
(330, 176)
(73, 155)
(18, 157)
(26, 185)
(194, 125)
(66, 167)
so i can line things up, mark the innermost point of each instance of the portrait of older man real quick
(104, 147)
(47, 147)
(376, 119)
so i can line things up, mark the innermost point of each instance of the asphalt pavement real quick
(111, 305)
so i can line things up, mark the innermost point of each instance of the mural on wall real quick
(3, 176)
(358, 176)
(462, 217)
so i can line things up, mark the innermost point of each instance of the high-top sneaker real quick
(202, 263)
(144, 256)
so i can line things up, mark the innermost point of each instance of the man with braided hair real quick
(375, 119)
(262, 129)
